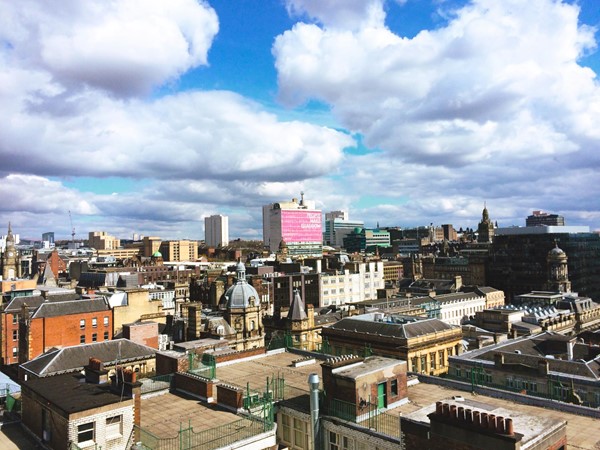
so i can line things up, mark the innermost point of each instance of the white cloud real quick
(333, 13)
(493, 97)
(125, 47)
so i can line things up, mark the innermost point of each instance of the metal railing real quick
(156, 383)
(218, 437)
(366, 415)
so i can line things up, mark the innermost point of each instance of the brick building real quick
(11, 315)
(61, 324)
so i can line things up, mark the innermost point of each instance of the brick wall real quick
(201, 387)
(63, 331)
(142, 333)
(167, 363)
(230, 397)
(241, 354)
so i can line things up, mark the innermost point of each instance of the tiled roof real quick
(55, 309)
(71, 359)
(36, 300)
(404, 330)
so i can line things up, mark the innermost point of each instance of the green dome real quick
(157, 254)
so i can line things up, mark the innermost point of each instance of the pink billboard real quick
(301, 225)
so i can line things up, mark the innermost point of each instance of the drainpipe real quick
(313, 384)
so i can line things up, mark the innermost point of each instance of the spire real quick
(296, 311)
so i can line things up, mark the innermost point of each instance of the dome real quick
(557, 252)
(157, 254)
(241, 294)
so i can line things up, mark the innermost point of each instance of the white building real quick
(347, 287)
(216, 230)
(297, 223)
(454, 309)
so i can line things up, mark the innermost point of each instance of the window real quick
(15, 318)
(106, 335)
(287, 435)
(94, 337)
(82, 324)
(347, 443)
(94, 322)
(15, 352)
(113, 426)
(333, 441)
(82, 339)
(394, 387)
(105, 321)
(300, 436)
(15, 335)
(85, 432)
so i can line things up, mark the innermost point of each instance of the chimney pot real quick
(476, 417)
(453, 411)
(491, 421)
(470, 415)
(461, 413)
(439, 408)
(509, 426)
(500, 426)
(484, 420)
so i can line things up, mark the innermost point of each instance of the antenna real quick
(302, 198)
(72, 228)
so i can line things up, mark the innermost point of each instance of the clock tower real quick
(10, 262)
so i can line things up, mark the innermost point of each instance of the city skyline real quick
(149, 119)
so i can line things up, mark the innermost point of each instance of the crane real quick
(72, 228)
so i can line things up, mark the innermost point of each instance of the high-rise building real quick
(48, 238)
(337, 227)
(216, 230)
(297, 224)
(541, 218)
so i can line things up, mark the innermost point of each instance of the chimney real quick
(124, 382)
(95, 373)
(570, 346)
(313, 384)
(498, 359)
(543, 367)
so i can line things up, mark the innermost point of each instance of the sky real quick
(145, 116)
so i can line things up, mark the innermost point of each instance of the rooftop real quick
(256, 371)
(70, 395)
(74, 358)
(369, 365)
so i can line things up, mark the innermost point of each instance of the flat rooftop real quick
(164, 415)
(528, 425)
(376, 363)
(578, 427)
(255, 372)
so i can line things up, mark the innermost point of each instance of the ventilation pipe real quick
(313, 384)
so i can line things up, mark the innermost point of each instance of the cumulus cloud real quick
(496, 95)
(190, 135)
(352, 14)
(125, 47)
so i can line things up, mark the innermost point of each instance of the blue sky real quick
(146, 116)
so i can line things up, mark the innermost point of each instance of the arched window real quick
(220, 330)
